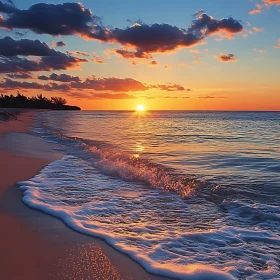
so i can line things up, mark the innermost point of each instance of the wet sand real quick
(34, 245)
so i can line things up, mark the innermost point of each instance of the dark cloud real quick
(55, 86)
(25, 47)
(132, 54)
(11, 3)
(8, 8)
(59, 44)
(226, 57)
(11, 60)
(160, 38)
(16, 64)
(111, 84)
(20, 34)
(20, 76)
(60, 19)
(74, 19)
(9, 84)
(65, 78)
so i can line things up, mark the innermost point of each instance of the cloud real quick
(11, 60)
(78, 53)
(20, 75)
(210, 97)
(110, 84)
(153, 62)
(11, 84)
(257, 10)
(266, 4)
(7, 8)
(72, 83)
(168, 87)
(161, 38)
(198, 13)
(122, 85)
(259, 51)
(272, 2)
(132, 54)
(99, 59)
(258, 29)
(226, 57)
(59, 44)
(25, 47)
(65, 78)
(61, 19)
(96, 95)
(278, 44)
(16, 64)
(175, 97)
(144, 39)
(195, 51)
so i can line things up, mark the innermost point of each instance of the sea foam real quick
(165, 234)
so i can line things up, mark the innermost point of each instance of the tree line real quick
(35, 102)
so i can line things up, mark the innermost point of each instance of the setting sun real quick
(140, 108)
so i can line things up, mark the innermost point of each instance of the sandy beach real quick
(35, 245)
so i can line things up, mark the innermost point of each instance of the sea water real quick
(188, 195)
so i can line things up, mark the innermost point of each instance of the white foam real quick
(158, 230)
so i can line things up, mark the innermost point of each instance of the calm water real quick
(190, 195)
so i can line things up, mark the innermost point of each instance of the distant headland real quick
(35, 102)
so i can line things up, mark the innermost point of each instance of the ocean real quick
(187, 194)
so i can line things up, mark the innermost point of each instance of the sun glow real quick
(140, 108)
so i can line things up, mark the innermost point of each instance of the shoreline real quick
(35, 245)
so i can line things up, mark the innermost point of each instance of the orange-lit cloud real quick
(278, 44)
(272, 2)
(260, 51)
(258, 29)
(58, 44)
(195, 51)
(257, 10)
(259, 7)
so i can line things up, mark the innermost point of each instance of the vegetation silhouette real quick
(35, 102)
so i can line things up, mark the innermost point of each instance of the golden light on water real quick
(140, 108)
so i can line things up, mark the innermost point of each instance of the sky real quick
(163, 54)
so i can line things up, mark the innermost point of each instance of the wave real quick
(158, 230)
(112, 160)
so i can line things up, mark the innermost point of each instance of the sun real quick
(140, 108)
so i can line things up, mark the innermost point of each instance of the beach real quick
(35, 245)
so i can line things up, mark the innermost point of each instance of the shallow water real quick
(191, 195)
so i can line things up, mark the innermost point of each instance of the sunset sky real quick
(164, 54)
